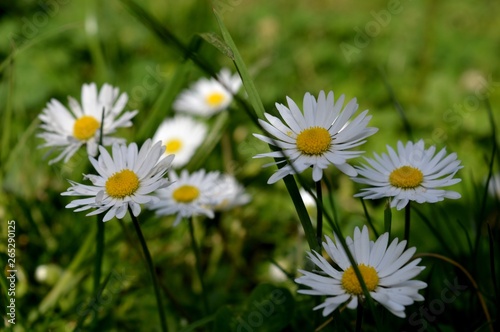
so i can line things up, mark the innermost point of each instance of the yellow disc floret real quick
(314, 141)
(173, 146)
(351, 283)
(122, 184)
(406, 177)
(215, 99)
(85, 127)
(186, 194)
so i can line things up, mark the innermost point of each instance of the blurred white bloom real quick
(209, 96)
(181, 136)
(229, 193)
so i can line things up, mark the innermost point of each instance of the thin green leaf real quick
(387, 218)
(216, 41)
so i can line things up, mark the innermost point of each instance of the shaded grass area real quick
(439, 59)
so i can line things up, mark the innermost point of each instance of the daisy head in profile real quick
(181, 136)
(387, 272)
(125, 180)
(413, 173)
(207, 97)
(67, 130)
(189, 195)
(321, 135)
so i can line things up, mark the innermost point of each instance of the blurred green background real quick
(437, 60)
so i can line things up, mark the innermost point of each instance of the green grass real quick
(432, 58)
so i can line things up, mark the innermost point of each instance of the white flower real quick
(319, 137)
(189, 195)
(125, 180)
(412, 174)
(229, 193)
(209, 96)
(181, 136)
(385, 271)
(494, 186)
(308, 199)
(68, 130)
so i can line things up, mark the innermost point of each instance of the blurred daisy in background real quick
(386, 270)
(126, 179)
(189, 195)
(207, 97)
(322, 135)
(494, 186)
(229, 193)
(411, 174)
(181, 136)
(68, 130)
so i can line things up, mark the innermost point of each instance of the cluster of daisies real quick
(129, 176)
(324, 132)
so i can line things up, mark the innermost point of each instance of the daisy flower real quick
(229, 193)
(209, 96)
(189, 195)
(320, 136)
(68, 130)
(126, 179)
(411, 174)
(494, 186)
(181, 136)
(386, 271)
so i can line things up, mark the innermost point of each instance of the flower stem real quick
(359, 316)
(149, 262)
(407, 223)
(197, 255)
(319, 214)
(98, 261)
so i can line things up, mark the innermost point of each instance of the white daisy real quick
(181, 136)
(411, 174)
(68, 130)
(229, 193)
(125, 180)
(385, 271)
(319, 137)
(209, 96)
(189, 195)
(494, 186)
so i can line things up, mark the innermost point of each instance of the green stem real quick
(359, 316)
(319, 214)
(98, 261)
(407, 223)
(149, 261)
(197, 255)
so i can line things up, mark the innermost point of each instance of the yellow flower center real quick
(85, 127)
(173, 146)
(215, 99)
(406, 177)
(121, 184)
(186, 194)
(314, 141)
(351, 283)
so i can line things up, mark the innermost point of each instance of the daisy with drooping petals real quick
(411, 174)
(68, 130)
(181, 136)
(209, 96)
(126, 179)
(229, 193)
(386, 272)
(320, 136)
(189, 195)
